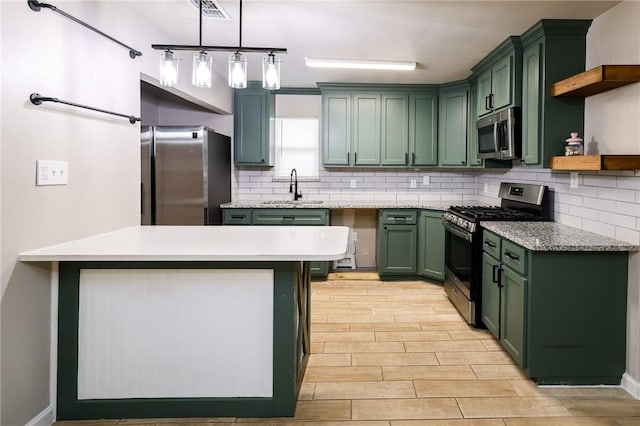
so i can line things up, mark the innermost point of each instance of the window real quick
(296, 147)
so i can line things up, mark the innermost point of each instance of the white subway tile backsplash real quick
(605, 203)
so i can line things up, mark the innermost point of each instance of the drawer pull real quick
(238, 217)
(490, 244)
(288, 218)
(512, 256)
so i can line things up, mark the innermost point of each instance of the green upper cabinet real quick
(423, 129)
(499, 76)
(394, 137)
(254, 126)
(554, 49)
(366, 129)
(452, 125)
(336, 128)
(472, 132)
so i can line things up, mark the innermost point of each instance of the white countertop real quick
(337, 204)
(202, 243)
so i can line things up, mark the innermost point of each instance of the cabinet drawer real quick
(297, 217)
(399, 217)
(491, 244)
(236, 216)
(514, 257)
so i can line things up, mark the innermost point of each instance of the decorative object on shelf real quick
(36, 6)
(203, 64)
(574, 145)
(37, 99)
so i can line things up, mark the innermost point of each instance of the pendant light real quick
(169, 70)
(202, 69)
(203, 63)
(271, 72)
(237, 71)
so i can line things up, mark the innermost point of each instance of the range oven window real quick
(459, 257)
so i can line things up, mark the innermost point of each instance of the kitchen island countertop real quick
(553, 236)
(202, 243)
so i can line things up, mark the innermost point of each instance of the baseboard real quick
(631, 385)
(45, 418)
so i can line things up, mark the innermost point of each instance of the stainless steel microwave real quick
(499, 135)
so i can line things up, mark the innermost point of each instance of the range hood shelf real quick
(596, 80)
(596, 162)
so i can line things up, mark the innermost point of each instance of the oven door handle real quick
(467, 236)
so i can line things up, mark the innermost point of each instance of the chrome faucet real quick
(296, 195)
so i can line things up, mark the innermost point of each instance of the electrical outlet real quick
(49, 172)
(353, 183)
(425, 180)
(486, 187)
(573, 179)
(355, 236)
(413, 183)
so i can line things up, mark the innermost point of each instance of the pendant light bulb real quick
(202, 68)
(237, 71)
(271, 72)
(168, 69)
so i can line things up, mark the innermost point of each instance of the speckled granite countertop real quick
(552, 236)
(327, 204)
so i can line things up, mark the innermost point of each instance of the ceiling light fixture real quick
(203, 63)
(360, 64)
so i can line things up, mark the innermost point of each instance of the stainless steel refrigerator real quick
(186, 175)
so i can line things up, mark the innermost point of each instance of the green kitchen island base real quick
(289, 351)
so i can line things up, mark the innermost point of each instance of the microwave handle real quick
(502, 136)
(495, 136)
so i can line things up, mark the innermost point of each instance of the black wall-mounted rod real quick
(37, 99)
(36, 6)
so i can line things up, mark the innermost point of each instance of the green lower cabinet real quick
(431, 245)
(397, 242)
(560, 315)
(513, 313)
(491, 294)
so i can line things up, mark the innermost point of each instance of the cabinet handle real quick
(355, 157)
(288, 218)
(262, 161)
(413, 158)
(512, 256)
(406, 158)
(401, 218)
(237, 217)
(490, 244)
(348, 156)
(486, 103)
(491, 101)
(496, 275)
(462, 162)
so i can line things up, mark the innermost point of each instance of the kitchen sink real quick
(295, 203)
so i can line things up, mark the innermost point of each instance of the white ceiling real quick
(445, 38)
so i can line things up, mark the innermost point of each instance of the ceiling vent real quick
(210, 9)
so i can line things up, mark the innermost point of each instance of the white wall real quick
(46, 53)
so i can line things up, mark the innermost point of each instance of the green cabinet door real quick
(554, 49)
(452, 128)
(423, 129)
(501, 83)
(394, 138)
(431, 245)
(472, 131)
(491, 294)
(397, 249)
(366, 129)
(336, 126)
(483, 92)
(254, 115)
(531, 103)
(513, 314)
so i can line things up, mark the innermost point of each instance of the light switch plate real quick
(486, 187)
(413, 183)
(573, 179)
(353, 183)
(51, 172)
(425, 180)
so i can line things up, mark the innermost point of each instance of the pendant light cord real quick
(200, 44)
(240, 26)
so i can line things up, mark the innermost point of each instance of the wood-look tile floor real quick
(398, 354)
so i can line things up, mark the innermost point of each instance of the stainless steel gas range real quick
(463, 241)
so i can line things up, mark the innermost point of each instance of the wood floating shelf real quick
(596, 162)
(597, 80)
